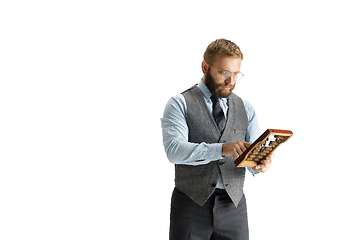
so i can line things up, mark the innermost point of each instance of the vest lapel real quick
(206, 112)
(229, 119)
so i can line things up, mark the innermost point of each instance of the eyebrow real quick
(229, 71)
(224, 69)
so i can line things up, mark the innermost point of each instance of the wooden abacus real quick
(264, 146)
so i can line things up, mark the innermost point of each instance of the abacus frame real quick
(257, 152)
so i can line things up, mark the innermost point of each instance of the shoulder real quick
(190, 89)
(191, 93)
(248, 105)
(236, 99)
(175, 105)
(250, 111)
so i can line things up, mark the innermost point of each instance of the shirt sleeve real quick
(175, 137)
(253, 131)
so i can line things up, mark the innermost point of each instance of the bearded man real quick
(205, 128)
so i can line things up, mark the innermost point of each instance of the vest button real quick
(222, 162)
(213, 185)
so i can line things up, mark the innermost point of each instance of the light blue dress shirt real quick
(175, 132)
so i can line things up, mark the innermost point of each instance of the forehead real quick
(228, 63)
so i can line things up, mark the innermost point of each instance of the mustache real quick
(226, 85)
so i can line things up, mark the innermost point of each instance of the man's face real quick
(213, 79)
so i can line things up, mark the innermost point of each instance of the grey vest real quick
(199, 182)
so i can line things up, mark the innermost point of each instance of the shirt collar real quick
(204, 90)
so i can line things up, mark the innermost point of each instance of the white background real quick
(83, 88)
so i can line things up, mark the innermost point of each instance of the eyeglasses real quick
(226, 74)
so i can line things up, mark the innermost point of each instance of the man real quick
(205, 129)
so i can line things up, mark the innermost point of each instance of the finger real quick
(265, 165)
(263, 168)
(269, 158)
(247, 144)
(239, 150)
(242, 146)
(267, 161)
(258, 168)
(237, 153)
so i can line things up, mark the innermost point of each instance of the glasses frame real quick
(223, 71)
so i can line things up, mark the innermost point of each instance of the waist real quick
(219, 191)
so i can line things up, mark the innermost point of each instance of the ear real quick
(204, 67)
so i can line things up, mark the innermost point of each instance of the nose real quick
(230, 80)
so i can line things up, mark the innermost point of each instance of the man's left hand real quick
(265, 164)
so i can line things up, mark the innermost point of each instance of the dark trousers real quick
(217, 219)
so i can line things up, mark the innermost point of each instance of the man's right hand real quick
(234, 149)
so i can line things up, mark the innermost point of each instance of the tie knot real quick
(214, 99)
(218, 114)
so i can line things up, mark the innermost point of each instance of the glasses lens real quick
(226, 75)
(238, 76)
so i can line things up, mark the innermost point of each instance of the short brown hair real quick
(222, 46)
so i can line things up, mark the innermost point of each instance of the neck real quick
(203, 79)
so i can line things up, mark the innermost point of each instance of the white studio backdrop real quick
(83, 85)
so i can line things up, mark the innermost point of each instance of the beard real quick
(217, 89)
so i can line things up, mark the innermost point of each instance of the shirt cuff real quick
(214, 151)
(252, 171)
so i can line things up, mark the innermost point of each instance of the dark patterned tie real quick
(218, 114)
